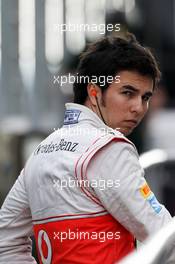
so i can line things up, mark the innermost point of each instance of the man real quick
(82, 190)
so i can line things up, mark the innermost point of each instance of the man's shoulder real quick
(117, 136)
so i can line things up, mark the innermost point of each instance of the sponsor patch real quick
(154, 203)
(71, 116)
(145, 190)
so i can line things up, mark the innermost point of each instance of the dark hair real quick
(108, 56)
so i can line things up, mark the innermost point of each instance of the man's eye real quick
(146, 98)
(128, 93)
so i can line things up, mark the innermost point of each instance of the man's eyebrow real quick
(132, 88)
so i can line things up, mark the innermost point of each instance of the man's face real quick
(124, 104)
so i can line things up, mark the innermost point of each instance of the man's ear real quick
(93, 90)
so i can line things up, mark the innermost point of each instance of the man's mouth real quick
(131, 122)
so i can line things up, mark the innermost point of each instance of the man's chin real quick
(125, 131)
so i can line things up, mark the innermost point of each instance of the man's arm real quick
(16, 226)
(132, 203)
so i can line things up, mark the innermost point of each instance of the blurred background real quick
(34, 53)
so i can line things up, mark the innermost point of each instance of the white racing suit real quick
(84, 196)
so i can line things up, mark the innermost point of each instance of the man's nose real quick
(137, 106)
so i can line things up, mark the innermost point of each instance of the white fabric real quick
(37, 194)
(125, 202)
